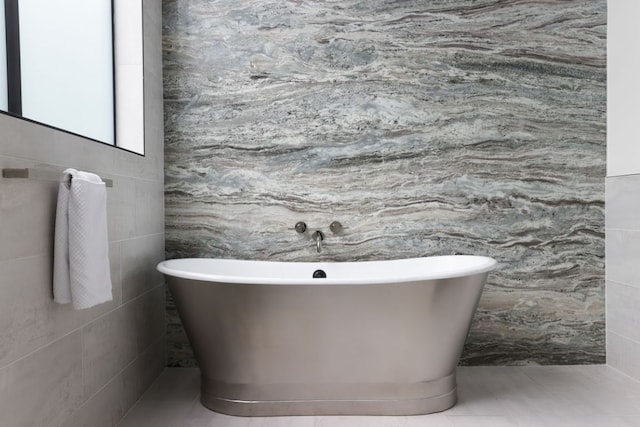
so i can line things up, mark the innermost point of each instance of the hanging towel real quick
(81, 273)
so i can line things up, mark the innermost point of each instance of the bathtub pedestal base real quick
(330, 407)
(409, 399)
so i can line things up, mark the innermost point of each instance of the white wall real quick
(623, 89)
(129, 72)
(623, 187)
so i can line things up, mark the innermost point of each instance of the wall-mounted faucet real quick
(318, 236)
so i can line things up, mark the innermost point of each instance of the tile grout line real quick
(32, 352)
(623, 337)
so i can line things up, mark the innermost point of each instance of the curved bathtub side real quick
(383, 349)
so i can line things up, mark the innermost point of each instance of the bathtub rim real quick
(480, 264)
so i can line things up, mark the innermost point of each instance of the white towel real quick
(81, 272)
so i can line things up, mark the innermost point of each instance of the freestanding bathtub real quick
(370, 338)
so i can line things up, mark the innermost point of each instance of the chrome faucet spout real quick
(318, 236)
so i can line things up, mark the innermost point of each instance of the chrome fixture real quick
(300, 227)
(318, 236)
(40, 174)
(335, 227)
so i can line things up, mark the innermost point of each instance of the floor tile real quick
(364, 421)
(168, 400)
(529, 396)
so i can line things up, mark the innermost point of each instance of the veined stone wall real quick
(426, 128)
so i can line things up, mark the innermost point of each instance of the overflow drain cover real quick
(319, 274)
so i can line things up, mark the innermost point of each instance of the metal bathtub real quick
(372, 338)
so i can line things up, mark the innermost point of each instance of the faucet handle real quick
(300, 227)
(335, 227)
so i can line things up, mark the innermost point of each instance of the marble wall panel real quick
(426, 128)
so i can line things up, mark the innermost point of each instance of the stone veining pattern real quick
(439, 127)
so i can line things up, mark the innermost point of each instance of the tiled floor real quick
(532, 396)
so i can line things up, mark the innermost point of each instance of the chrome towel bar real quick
(32, 173)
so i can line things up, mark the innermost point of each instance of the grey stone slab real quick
(104, 409)
(108, 346)
(139, 259)
(44, 388)
(29, 319)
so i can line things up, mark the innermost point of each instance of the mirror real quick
(75, 65)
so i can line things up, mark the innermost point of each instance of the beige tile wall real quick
(58, 366)
(623, 273)
(623, 189)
